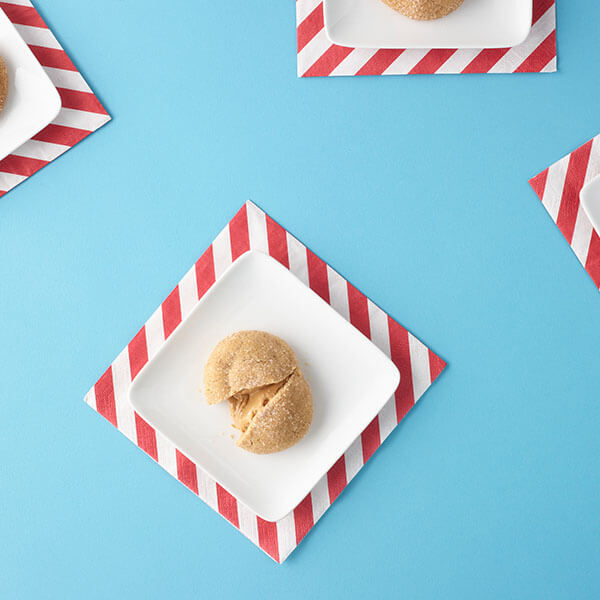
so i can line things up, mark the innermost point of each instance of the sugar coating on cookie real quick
(269, 399)
(3, 83)
(424, 10)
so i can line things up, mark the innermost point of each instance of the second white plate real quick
(350, 378)
(476, 24)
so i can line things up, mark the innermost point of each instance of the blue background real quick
(415, 189)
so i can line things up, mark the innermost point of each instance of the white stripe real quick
(38, 36)
(41, 150)
(338, 293)
(121, 380)
(380, 332)
(222, 252)
(166, 454)
(551, 67)
(320, 498)
(21, 2)
(155, 333)
(354, 61)
(90, 398)
(459, 61)
(582, 233)
(304, 8)
(406, 61)
(188, 292)
(309, 55)
(257, 228)
(247, 521)
(70, 80)
(387, 419)
(80, 119)
(9, 180)
(297, 258)
(419, 360)
(555, 184)
(517, 55)
(207, 489)
(354, 458)
(286, 536)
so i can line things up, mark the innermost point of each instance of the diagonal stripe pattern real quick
(318, 57)
(558, 188)
(252, 229)
(81, 112)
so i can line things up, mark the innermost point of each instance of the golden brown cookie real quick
(3, 83)
(424, 10)
(269, 399)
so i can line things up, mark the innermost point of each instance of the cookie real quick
(424, 10)
(269, 399)
(3, 83)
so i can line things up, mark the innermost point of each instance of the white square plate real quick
(590, 200)
(32, 101)
(475, 24)
(350, 379)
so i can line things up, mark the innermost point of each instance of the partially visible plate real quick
(350, 378)
(475, 24)
(590, 200)
(32, 101)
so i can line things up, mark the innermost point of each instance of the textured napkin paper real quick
(558, 188)
(318, 57)
(252, 229)
(81, 112)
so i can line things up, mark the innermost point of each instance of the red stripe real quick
(138, 352)
(538, 183)
(485, 60)
(238, 233)
(53, 57)
(592, 264)
(59, 134)
(277, 238)
(310, 26)
(336, 479)
(267, 537)
(328, 61)
(400, 355)
(432, 61)
(371, 439)
(186, 472)
(540, 57)
(76, 100)
(227, 506)
(317, 275)
(146, 437)
(105, 397)
(539, 9)
(359, 311)
(436, 365)
(23, 15)
(205, 271)
(21, 165)
(379, 62)
(303, 518)
(171, 312)
(574, 180)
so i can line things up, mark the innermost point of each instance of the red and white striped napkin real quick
(252, 229)
(558, 188)
(81, 112)
(318, 57)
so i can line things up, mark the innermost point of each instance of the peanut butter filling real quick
(245, 405)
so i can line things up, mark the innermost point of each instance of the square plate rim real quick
(169, 341)
(350, 44)
(54, 92)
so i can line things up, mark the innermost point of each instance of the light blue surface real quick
(416, 190)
